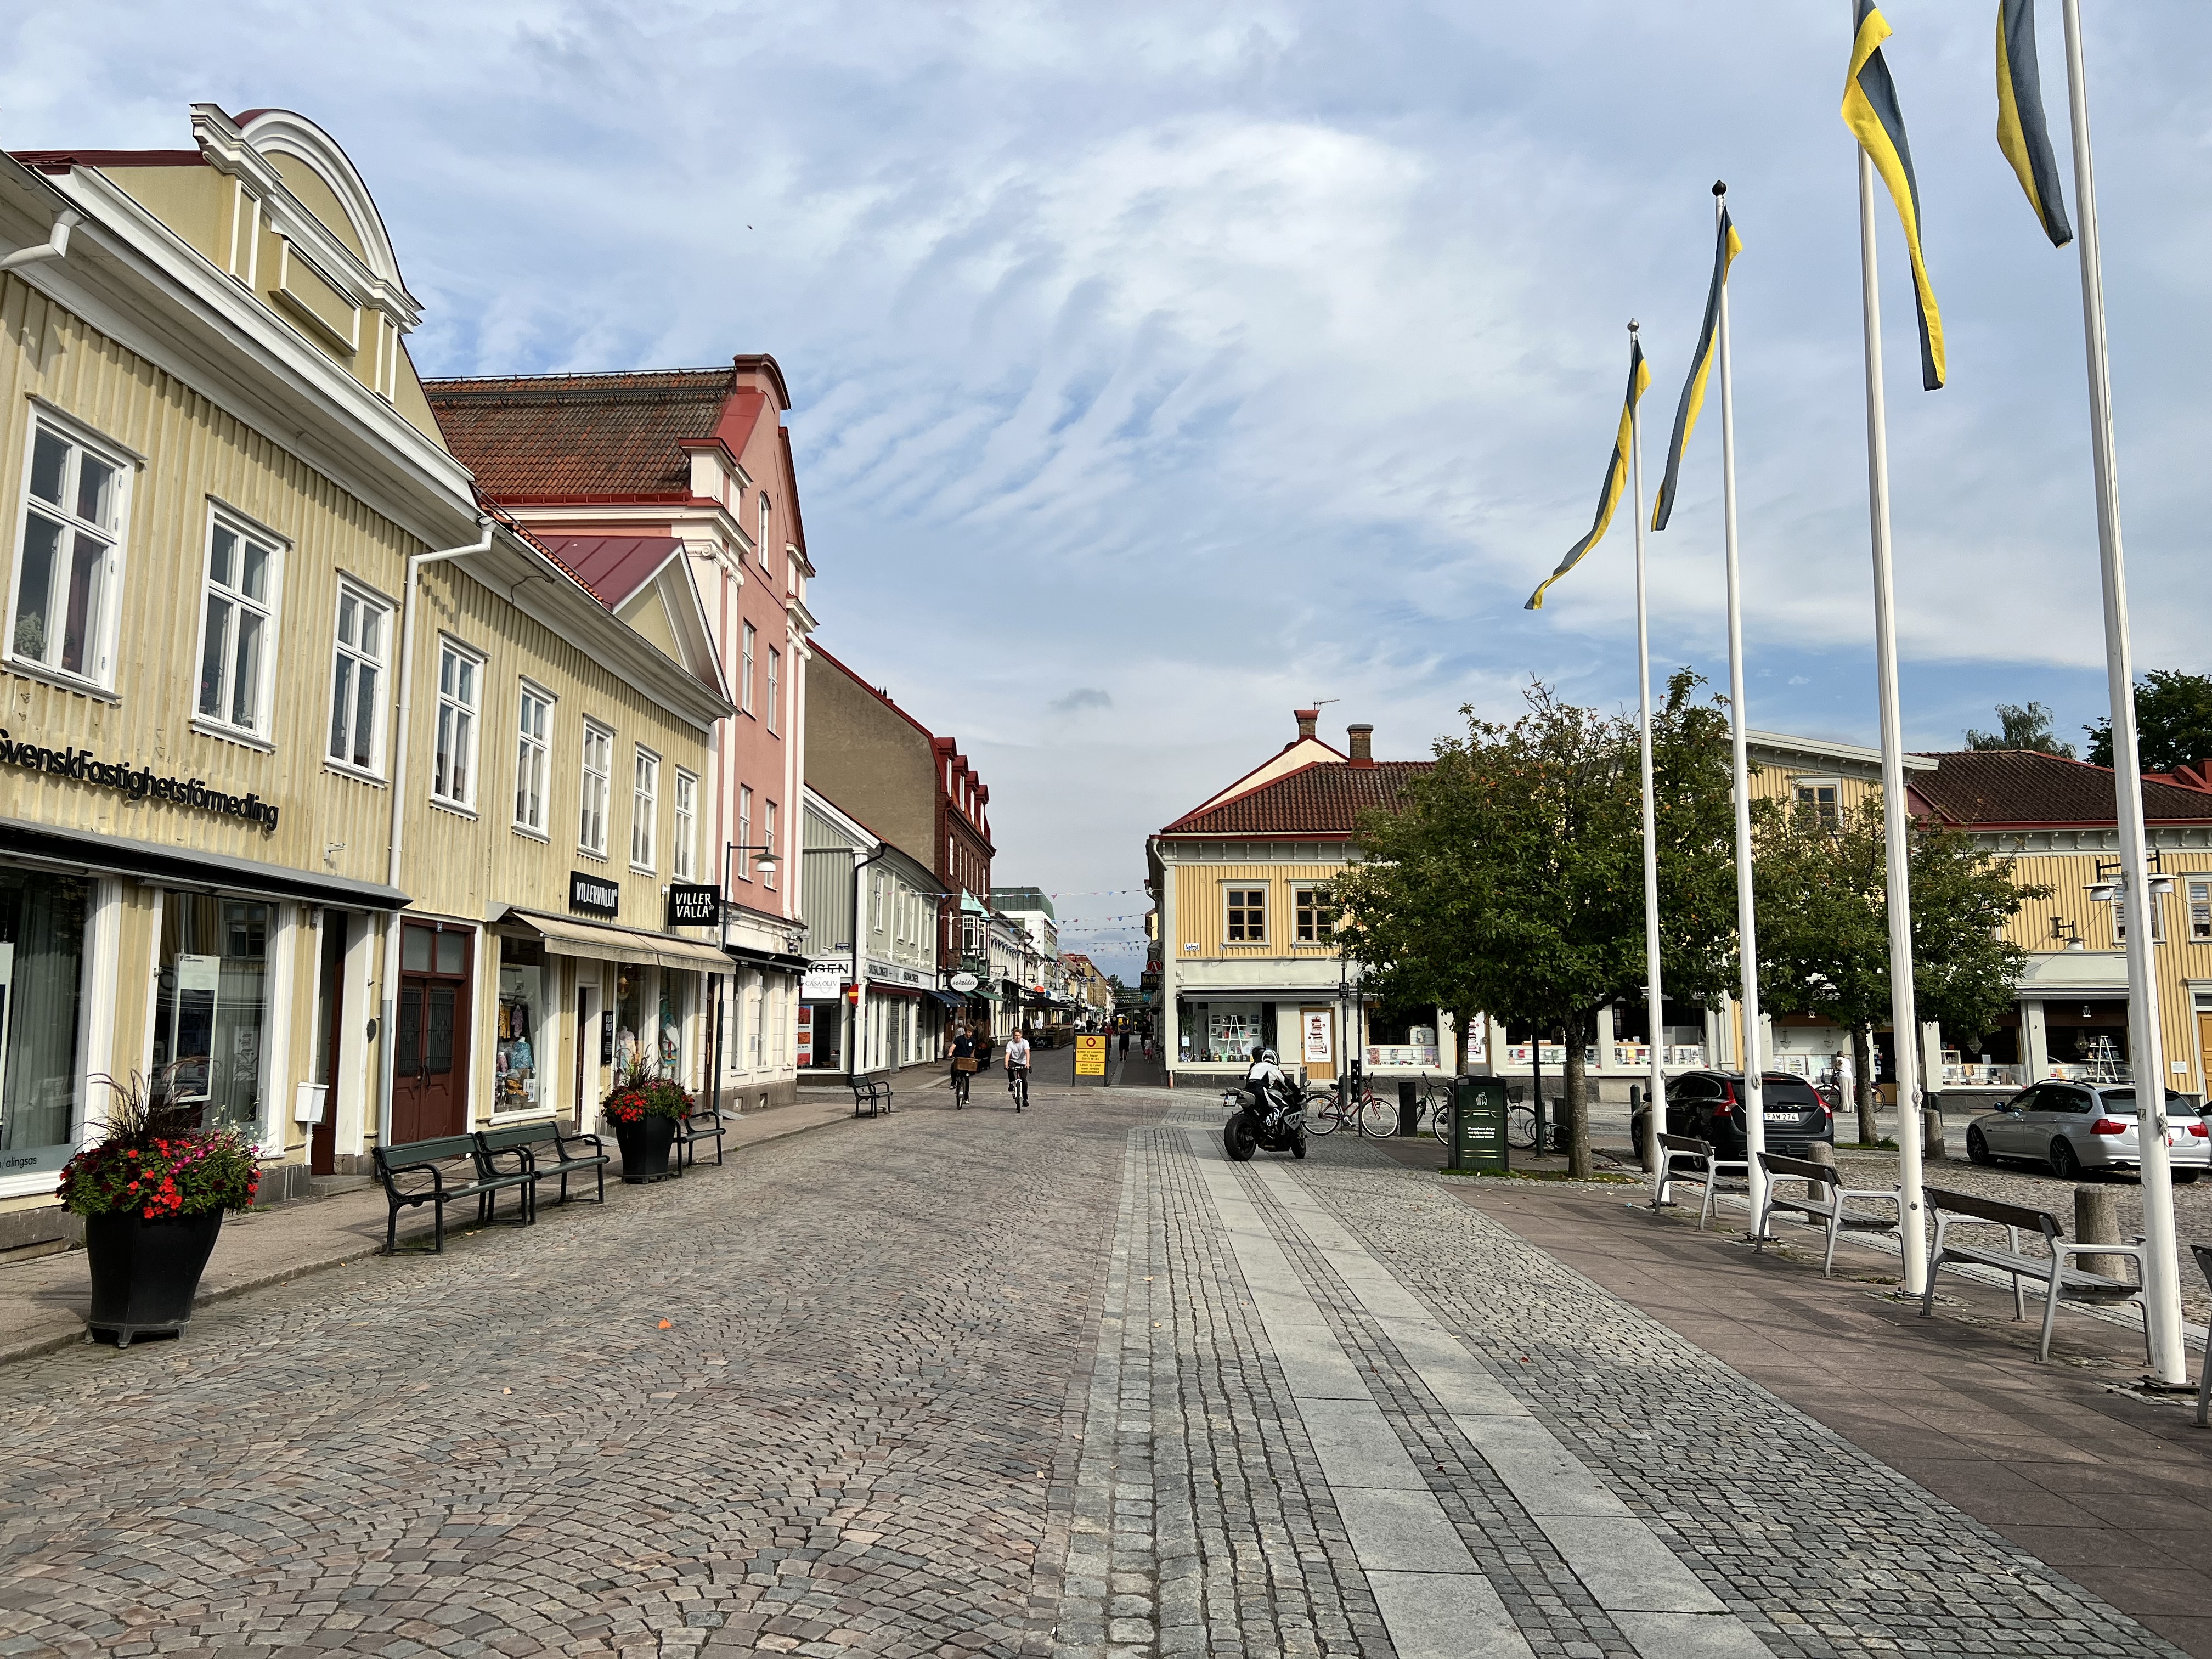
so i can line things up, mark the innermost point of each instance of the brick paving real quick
(950, 1384)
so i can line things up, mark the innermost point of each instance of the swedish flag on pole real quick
(1616, 475)
(2021, 132)
(1870, 112)
(1701, 366)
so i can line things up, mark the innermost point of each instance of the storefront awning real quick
(950, 999)
(566, 936)
(775, 961)
(118, 855)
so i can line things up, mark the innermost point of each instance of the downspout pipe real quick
(56, 246)
(388, 999)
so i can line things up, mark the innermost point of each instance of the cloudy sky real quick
(1160, 368)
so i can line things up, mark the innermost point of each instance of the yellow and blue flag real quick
(2021, 134)
(1870, 112)
(1701, 366)
(1616, 475)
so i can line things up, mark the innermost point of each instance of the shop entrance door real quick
(2204, 1048)
(430, 1064)
(323, 1139)
(587, 1056)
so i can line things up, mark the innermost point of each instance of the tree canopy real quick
(2021, 725)
(2173, 721)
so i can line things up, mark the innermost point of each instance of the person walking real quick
(963, 1065)
(1125, 1043)
(1017, 1070)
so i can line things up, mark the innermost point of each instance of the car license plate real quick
(1781, 1117)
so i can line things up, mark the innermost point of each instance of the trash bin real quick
(1478, 1125)
(1409, 1108)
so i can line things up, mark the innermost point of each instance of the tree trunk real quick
(1462, 1018)
(1577, 1102)
(1862, 1083)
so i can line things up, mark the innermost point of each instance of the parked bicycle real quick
(1328, 1112)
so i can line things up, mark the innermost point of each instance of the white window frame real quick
(644, 808)
(774, 684)
(2120, 920)
(1800, 788)
(767, 838)
(254, 729)
(533, 755)
(2199, 894)
(745, 667)
(683, 863)
(1227, 936)
(349, 654)
(1317, 900)
(450, 703)
(744, 831)
(599, 740)
(81, 441)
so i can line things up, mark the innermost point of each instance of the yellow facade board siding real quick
(1201, 911)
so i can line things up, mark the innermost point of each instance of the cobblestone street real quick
(1066, 1383)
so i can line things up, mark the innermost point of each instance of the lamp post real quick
(766, 864)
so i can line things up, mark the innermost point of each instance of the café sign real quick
(139, 783)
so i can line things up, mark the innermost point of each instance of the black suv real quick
(1709, 1107)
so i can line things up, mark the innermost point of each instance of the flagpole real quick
(1654, 1000)
(2160, 1266)
(1754, 1107)
(1896, 826)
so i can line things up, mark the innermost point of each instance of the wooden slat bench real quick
(439, 1172)
(2050, 1270)
(1823, 1202)
(1682, 1157)
(542, 1152)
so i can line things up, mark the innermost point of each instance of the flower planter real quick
(145, 1274)
(645, 1147)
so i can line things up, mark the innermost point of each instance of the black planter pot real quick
(645, 1149)
(145, 1274)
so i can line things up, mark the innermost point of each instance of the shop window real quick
(1818, 798)
(1314, 914)
(744, 830)
(68, 565)
(676, 998)
(357, 680)
(630, 1001)
(644, 808)
(211, 1008)
(746, 670)
(1248, 915)
(238, 625)
(524, 980)
(774, 684)
(682, 858)
(534, 757)
(453, 758)
(42, 927)
(599, 779)
(1230, 1031)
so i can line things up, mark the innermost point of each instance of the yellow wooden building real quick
(325, 801)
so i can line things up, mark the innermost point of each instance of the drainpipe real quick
(56, 246)
(389, 999)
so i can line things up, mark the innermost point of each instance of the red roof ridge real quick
(1212, 803)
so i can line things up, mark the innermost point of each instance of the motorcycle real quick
(1261, 1120)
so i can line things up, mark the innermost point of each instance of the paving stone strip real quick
(1819, 1548)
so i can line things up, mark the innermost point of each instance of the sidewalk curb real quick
(77, 1333)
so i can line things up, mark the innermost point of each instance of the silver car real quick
(2078, 1127)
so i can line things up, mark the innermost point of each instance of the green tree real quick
(1507, 879)
(1822, 892)
(2173, 721)
(2021, 726)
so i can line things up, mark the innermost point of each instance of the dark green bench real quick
(693, 1130)
(542, 1152)
(437, 1173)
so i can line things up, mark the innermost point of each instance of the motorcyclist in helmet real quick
(1267, 1081)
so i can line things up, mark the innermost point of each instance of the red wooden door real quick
(430, 1036)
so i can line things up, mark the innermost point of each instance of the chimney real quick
(1362, 737)
(1306, 719)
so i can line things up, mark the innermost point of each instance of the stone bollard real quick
(1932, 1148)
(1821, 1152)
(2097, 1221)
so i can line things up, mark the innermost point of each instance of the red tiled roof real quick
(612, 567)
(1324, 800)
(582, 437)
(1997, 788)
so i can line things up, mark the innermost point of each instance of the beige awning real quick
(567, 937)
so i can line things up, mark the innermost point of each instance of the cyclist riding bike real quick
(963, 1049)
(1017, 1070)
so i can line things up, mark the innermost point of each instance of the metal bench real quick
(418, 1172)
(542, 1152)
(1683, 1157)
(871, 1097)
(2050, 1271)
(1823, 1202)
(2203, 1255)
(695, 1129)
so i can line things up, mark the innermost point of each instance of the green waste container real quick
(1477, 1139)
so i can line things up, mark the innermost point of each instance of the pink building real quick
(672, 493)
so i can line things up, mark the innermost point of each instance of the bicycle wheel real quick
(1324, 1119)
(1521, 1127)
(1440, 1120)
(1378, 1119)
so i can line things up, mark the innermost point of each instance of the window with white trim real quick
(768, 836)
(745, 671)
(744, 830)
(534, 757)
(453, 754)
(68, 556)
(775, 684)
(2200, 910)
(644, 807)
(364, 635)
(681, 859)
(598, 785)
(2120, 920)
(238, 625)
(1248, 914)
(1820, 799)
(1314, 914)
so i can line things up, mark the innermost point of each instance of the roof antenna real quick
(1323, 703)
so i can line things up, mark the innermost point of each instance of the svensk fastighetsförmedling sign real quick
(139, 783)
